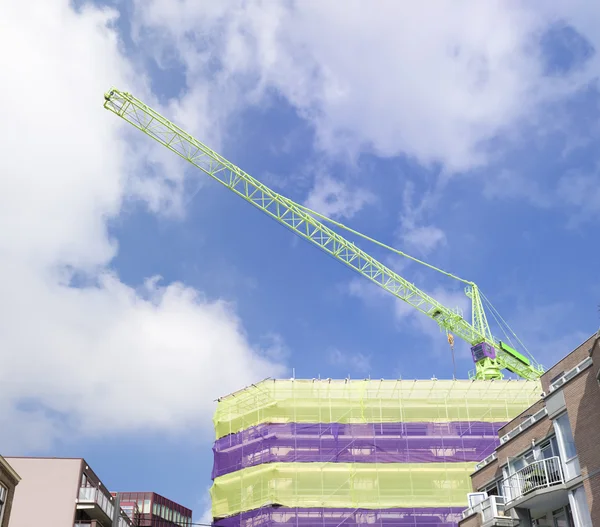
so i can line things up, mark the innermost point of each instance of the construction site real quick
(323, 452)
(372, 452)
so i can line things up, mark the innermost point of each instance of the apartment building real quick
(9, 479)
(546, 469)
(62, 492)
(149, 509)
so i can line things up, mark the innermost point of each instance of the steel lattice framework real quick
(300, 220)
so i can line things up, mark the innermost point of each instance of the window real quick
(494, 489)
(562, 518)
(580, 507)
(549, 448)
(566, 436)
(3, 498)
(521, 462)
(146, 506)
(567, 448)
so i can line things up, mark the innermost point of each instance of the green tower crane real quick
(490, 355)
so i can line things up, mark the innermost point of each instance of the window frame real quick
(576, 509)
(3, 500)
(496, 486)
(560, 432)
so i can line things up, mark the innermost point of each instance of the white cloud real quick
(397, 79)
(105, 357)
(204, 504)
(335, 199)
(357, 362)
(415, 236)
(434, 85)
(425, 238)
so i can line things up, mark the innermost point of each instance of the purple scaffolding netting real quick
(355, 443)
(272, 517)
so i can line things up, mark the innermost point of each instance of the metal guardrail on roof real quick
(573, 372)
(486, 461)
(524, 425)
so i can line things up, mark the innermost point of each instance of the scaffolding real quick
(377, 452)
(372, 401)
(330, 517)
(355, 443)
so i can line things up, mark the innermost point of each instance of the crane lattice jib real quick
(294, 217)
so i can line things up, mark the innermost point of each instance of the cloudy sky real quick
(135, 291)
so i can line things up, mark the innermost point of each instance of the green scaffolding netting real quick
(347, 485)
(372, 401)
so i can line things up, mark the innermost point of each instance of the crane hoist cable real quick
(490, 355)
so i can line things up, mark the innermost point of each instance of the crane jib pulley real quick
(490, 355)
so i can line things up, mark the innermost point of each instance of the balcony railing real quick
(94, 495)
(492, 507)
(538, 475)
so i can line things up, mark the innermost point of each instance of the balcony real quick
(96, 504)
(93, 523)
(538, 486)
(491, 512)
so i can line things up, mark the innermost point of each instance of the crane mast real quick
(490, 355)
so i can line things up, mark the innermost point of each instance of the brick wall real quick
(595, 354)
(592, 488)
(9, 482)
(484, 476)
(582, 397)
(522, 442)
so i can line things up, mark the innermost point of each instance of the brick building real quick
(9, 479)
(149, 509)
(546, 470)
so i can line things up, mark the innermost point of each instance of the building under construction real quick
(353, 453)
(327, 453)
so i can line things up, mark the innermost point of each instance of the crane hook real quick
(451, 342)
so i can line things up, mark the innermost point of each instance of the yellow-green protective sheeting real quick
(349, 485)
(373, 401)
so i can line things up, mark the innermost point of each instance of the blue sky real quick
(467, 139)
